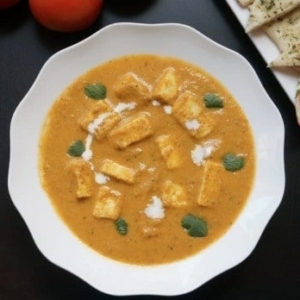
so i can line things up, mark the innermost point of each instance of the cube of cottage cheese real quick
(169, 151)
(166, 87)
(131, 87)
(117, 171)
(188, 110)
(173, 195)
(187, 107)
(84, 177)
(108, 204)
(130, 131)
(211, 184)
(100, 120)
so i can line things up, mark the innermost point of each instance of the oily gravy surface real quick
(139, 174)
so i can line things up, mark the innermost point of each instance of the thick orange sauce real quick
(172, 242)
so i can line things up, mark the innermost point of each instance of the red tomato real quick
(8, 3)
(65, 15)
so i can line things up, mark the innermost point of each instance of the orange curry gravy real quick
(148, 241)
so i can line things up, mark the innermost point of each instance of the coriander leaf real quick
(121, 226)
(212, 100)
(233, 162)
(76, 148)
(95, 91)
(195, 226)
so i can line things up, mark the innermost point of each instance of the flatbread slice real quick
(244, 3)
(265, 11)
(297, 103)
(285, 32)
(289, 58)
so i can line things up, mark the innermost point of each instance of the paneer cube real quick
(100, 120)
(169, 151)
(149, 228)
(130, 131)
(108, 204)
(166, 87)
(117, 171)
(84, 178)
(150, 231)
(211, 184)
(188, 111)
(206, 125)
(131, 87)
(187, 107)
(173, 195)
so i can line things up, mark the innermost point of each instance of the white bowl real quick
(52, 236)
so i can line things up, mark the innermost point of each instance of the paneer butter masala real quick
(147, 159)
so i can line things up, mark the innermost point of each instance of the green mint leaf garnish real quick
(121, 226)
(233, 162)
(76, 148)
(212, 100)
(95, 91)
(195, 226)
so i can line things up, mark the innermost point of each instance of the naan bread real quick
(265, 11)
(245, 3)
(289, 58)
(297, 104)
(285, 32)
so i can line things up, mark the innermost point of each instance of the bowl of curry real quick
(146, 161)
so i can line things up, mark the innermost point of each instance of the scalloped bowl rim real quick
(52, 236)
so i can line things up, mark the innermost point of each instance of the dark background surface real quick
(272, 271)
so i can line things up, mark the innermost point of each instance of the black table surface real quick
(272, 271)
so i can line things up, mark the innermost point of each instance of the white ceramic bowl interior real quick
(52, 236)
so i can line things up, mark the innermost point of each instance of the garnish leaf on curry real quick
(96, 91)
(195, 226)
(212, 100)
(121, 226)
(233, 162)
(76, 148)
